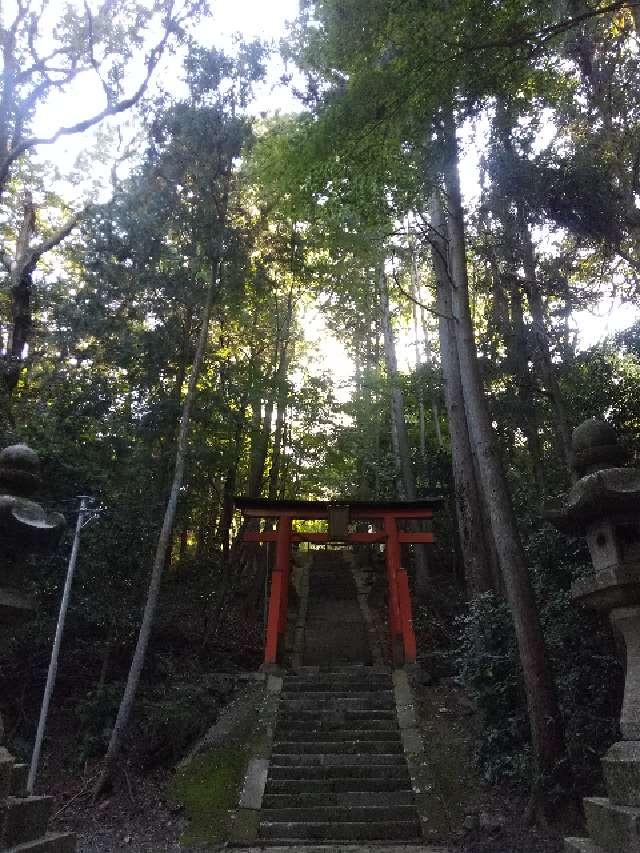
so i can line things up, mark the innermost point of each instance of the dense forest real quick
(382, 293)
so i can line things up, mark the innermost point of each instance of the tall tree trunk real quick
(20, 270)
(164, 539)
(467, 500)
(428, 355)
(260, 445)
(399, 435)
(542, 350)
(418, 366)
(400, 438)
(547, 734)
(520, 363)
(525, 248)
(281, 396)
(230, 558)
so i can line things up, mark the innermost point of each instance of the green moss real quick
(209, 788)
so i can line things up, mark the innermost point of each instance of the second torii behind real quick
(383, 516)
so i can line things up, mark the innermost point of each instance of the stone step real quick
(334, 722)
(344, 747)
(26, 819)
(311, 716)
(319, 696)
(296, 759)
(339, 814)
(351, 671)
(397, 772)
(377, 847)
(360, 831)
(334, 703)
(354, 785)
(337, 798)
(19, 776)
(307, 685)
(288, 733)
(614, 828)
(581, 845)
(54, 842)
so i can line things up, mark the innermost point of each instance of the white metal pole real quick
(53, 665)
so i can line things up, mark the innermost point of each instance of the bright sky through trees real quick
(248, 20)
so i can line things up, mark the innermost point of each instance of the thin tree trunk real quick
(164, 539)
(542, 349)
(544, 716)
(520, 365)
(418, 365)
(428, 355)
(281, 395)
(399, 435)
(400, 438)
(467, 500)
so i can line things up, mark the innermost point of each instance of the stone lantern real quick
(25, 528)
(604, 506)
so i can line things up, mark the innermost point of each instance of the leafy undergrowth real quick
(465, 813)
(207, 789)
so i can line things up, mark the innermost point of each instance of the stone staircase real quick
(23, 818)
(337, 771)
(335, 632)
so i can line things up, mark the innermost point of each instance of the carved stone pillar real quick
(604, 506)
(25, 528)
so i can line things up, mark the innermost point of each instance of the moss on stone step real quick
(208, 788)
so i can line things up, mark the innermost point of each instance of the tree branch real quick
(110, 110)
(544, 34)
(36, 252)
(417, 302)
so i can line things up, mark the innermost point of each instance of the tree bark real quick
(428, 355)
(164, 539)
(520, 365)
(542, 350)
(281, 397)
(400, 438)
(20, 270)
(546, 727)
(399, 435)
(467, 500)
(418, 365)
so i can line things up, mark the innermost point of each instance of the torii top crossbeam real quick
(383, 516)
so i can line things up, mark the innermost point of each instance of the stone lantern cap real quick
(611, 493)
(595, 446)
(19, 470)
(25, 526)
(605, 490)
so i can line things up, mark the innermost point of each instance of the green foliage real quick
(583, 657)
(489, 670)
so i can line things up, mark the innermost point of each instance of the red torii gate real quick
(383, 514)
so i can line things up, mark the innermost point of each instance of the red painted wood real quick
(318, 538)
(322, 538)
(415, 537)
(283, 563)
(273, 619)
(406, 618)
(393, 567)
